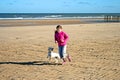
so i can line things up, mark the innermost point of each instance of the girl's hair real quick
(59, 26)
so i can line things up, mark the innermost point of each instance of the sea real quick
(37, 16)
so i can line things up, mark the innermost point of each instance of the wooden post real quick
(112, 18)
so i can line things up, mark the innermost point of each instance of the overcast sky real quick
(59, 6)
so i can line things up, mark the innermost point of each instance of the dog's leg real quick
(56, 60)
(49, 59)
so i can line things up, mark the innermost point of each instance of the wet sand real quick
(15, 23)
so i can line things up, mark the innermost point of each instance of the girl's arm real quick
(55, 38)
(66, 36)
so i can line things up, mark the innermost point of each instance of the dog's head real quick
(50, 49)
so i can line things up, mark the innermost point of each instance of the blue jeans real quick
(62, 51)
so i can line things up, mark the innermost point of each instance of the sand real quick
(94, 48)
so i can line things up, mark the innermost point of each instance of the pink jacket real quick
(61, 38)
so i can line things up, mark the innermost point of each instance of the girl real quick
(61, 38)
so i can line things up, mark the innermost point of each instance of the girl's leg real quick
(64, 51)
(61, 53)
(69, 58)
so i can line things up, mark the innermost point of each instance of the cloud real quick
(87, 3)
(67, 3)
(10, 3)
(109, 6)
(75, 2)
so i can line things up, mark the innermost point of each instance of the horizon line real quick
(53, 13)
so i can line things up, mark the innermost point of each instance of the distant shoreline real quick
(37, 19)
(41, 16)
(32, 22)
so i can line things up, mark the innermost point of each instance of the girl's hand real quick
(62, 40)
(55, 42)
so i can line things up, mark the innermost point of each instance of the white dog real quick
(51, 54)
(56, 56)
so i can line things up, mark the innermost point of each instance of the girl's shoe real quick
(63, 63)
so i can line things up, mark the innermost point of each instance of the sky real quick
(59, 6)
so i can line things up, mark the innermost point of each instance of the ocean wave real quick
(54, 15)
(51, 17)
(19, 18)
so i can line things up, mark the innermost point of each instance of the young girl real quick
(61, 38)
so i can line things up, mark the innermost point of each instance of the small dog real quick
(56, 56)
(51, 54)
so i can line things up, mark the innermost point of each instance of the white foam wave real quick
(53, 17)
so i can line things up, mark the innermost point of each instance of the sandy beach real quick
(94, 48)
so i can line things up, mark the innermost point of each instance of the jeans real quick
(62, 51)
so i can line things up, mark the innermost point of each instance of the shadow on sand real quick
(41, 63)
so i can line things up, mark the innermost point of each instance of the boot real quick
(64, 61)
